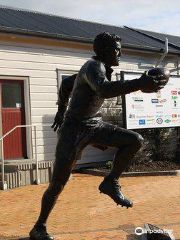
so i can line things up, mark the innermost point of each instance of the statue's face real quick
(113, 54)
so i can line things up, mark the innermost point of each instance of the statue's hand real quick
(149, 84)
(154, 79)
(58, 120)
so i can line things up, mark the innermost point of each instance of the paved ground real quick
(82, 213)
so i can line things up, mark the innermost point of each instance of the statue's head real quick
(107, 47)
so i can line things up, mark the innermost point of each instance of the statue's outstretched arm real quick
(96, 78)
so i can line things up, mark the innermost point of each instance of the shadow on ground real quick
(133, 237)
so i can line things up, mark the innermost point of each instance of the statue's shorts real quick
(75, 136)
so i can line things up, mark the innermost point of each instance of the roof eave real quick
(45, 34)
(81, 40)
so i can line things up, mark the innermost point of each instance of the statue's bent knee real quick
(139, 141)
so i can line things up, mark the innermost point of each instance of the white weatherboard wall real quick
(39, 63)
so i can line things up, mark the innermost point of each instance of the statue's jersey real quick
(88, 90)
(86, 101)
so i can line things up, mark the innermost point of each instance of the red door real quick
(13, 114)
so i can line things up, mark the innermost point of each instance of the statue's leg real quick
(73, 138)
(61, 174)
(65, 159)
(128, 144)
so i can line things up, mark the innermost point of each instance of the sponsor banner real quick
(153, 110)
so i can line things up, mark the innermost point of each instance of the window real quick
(61, 76)
(11, 96)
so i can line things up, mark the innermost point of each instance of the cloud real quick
(155, 15)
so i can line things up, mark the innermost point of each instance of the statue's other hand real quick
(58, 120)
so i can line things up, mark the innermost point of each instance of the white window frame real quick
(61, 72)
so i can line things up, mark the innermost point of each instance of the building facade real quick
(32, 67)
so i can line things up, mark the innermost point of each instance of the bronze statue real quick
(82, 124)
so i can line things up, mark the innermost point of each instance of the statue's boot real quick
(39, 233)
(113, 190)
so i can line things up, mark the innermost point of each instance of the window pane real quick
(11, 96)
(65, 76)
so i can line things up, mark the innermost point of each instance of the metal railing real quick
(34, 155)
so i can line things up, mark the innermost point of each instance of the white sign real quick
(18, 105)
(153, 110)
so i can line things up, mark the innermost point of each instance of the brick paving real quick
(82, 213)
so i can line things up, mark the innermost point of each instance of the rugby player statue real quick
(81, 124)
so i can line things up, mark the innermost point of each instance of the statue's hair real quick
(103, 41)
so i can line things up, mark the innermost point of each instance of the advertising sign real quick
(153, 110)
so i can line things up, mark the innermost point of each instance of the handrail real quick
(37, 125)
(36, 155)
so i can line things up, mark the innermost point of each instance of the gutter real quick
(80, 39)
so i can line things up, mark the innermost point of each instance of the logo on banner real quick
(159, 105)
(167, 121)
(142, 122)
(131, 115)
(158, 94)
(155, 100)
(159, 120)
(138, 99)
(174, 120)
(162, 100)
(141, 116)
(150, 120)
(174, 92)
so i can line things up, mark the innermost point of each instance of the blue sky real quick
(155, 15)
